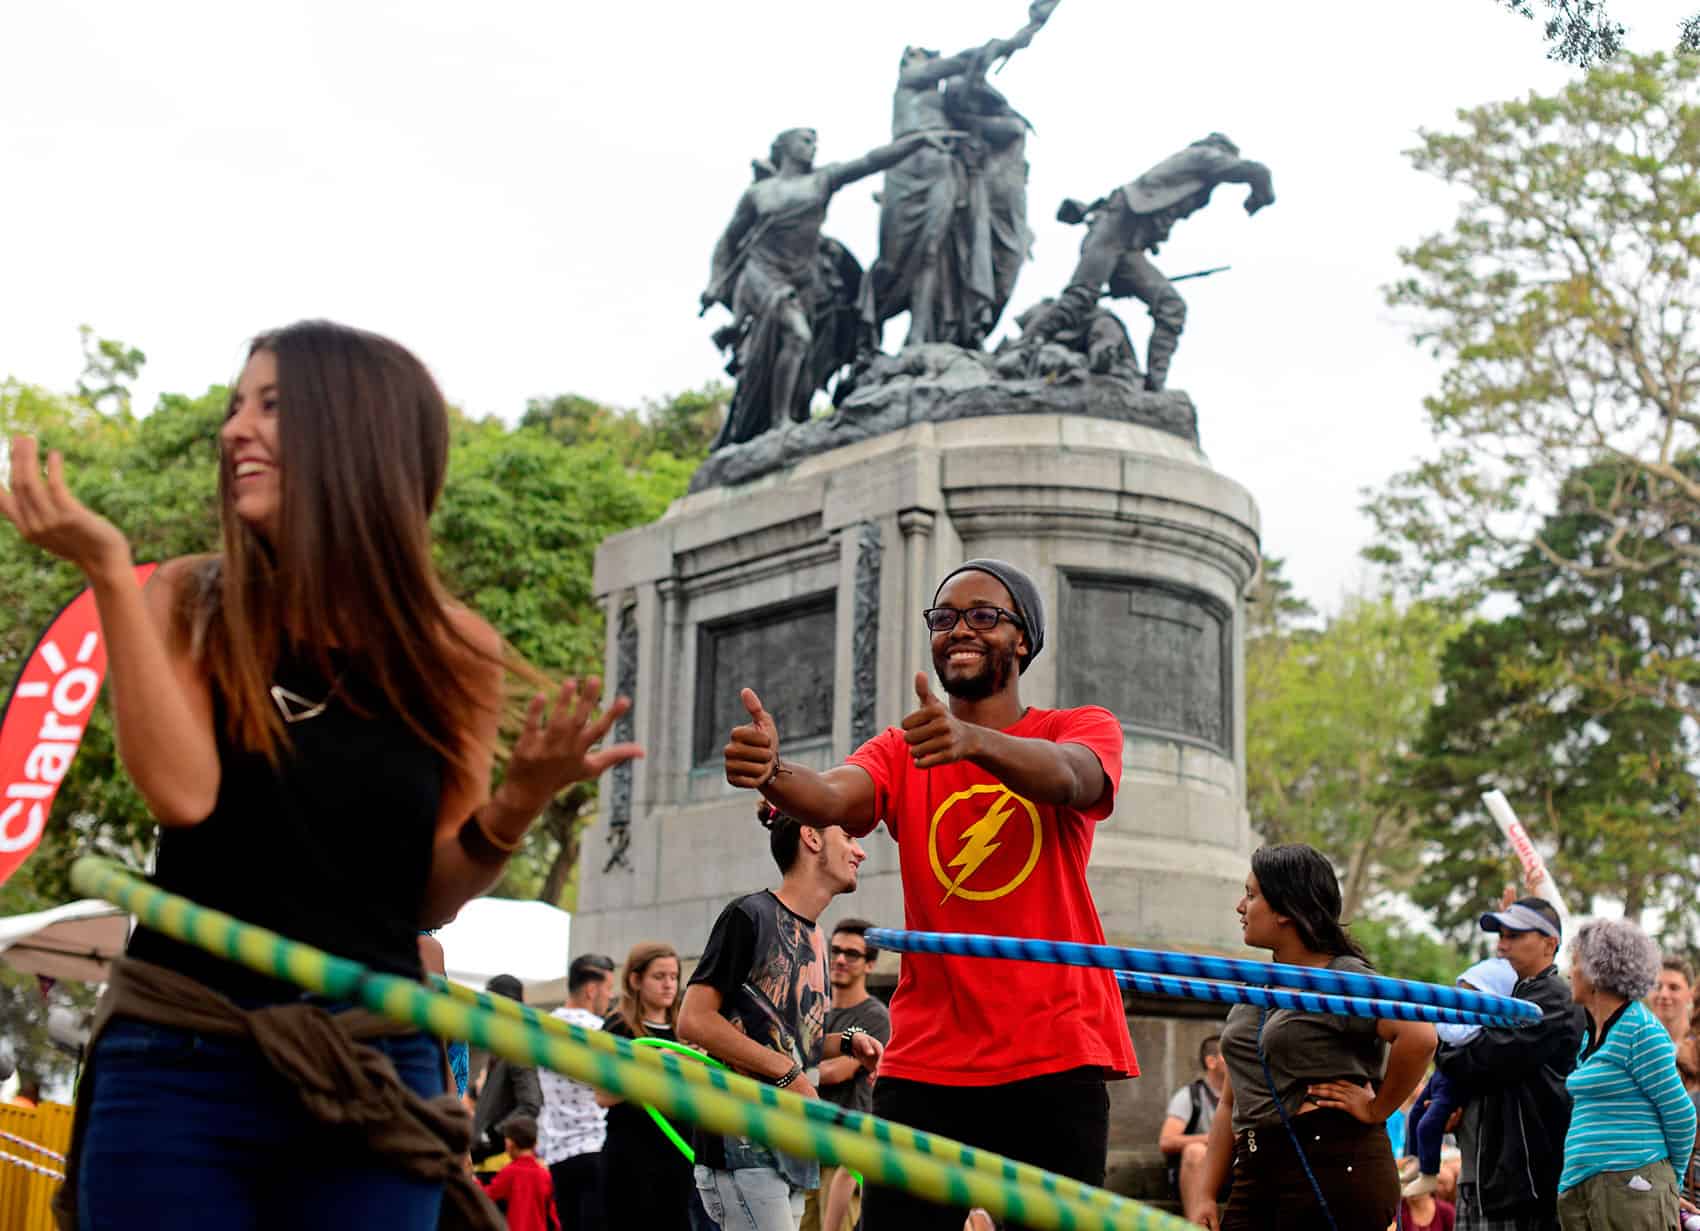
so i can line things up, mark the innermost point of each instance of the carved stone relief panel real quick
(865, 637)
(786, 653)
(620, 777)
(1157, 655)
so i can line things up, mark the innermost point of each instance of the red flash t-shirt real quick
(976, 857)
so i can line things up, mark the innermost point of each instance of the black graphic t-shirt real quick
(769, 965)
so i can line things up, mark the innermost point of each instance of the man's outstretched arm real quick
(1038, 769)
(842, 796)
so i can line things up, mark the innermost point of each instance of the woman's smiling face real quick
(249, 438)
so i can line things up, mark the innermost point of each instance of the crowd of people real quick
(1585, 1121)
(314, 723)
(576, 1159)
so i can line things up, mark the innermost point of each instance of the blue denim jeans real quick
(749, 1199)
(197, 1133)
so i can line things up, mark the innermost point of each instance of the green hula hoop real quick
(661, 1121)
(623, 1071)
(817, 1111)
(666, 1125)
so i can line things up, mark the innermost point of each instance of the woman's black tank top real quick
(332, 848)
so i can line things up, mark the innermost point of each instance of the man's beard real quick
(995, 674)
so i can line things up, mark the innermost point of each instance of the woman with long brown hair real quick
(313, 720)
(646, 1181)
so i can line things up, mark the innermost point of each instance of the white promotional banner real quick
(1535, 875)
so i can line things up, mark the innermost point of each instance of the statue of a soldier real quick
(1131, 222)
(935, 260)
(783, 281)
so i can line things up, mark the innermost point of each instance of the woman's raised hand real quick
(549, 756)
(50, 517)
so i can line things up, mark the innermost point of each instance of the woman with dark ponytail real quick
(1301, 1119)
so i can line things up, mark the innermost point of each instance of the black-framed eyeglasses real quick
(849, 955)
(981, 619)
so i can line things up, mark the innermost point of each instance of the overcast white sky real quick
(527, 193)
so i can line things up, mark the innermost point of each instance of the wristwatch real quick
(847, 1037)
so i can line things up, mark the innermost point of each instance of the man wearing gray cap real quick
(993, 805)
(1512, 1132)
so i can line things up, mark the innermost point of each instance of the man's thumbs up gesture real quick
(752, 757)
(935, 737)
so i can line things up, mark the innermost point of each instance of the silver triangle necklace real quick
(296, 708)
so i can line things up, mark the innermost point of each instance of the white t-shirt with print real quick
(571, 1123)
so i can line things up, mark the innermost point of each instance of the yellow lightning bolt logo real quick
(986, 834)
(977, 842)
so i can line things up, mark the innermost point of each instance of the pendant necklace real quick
(296, 708)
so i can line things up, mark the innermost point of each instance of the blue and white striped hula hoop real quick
(1308, 1002)
(1315, 979)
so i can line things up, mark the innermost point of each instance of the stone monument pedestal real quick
(807, 584)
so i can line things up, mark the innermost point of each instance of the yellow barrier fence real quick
(33, 1140)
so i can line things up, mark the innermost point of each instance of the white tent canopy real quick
(79, 940)
(490, 936)
(493, 936)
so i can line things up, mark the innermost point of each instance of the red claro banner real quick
(44, 720)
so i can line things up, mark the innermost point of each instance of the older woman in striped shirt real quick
(1632, 1126)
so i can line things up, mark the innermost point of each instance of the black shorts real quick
(1060, 1122)
(1352, 1162)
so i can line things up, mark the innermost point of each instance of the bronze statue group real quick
(953, 236)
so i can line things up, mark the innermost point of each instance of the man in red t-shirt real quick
(993, 807)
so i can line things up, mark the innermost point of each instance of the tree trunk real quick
(561, 819)
(1357, 872)
(1634, 901)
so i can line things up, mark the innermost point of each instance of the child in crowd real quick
(1437, 1102)
(524, 1184)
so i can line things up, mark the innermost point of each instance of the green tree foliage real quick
(1565, 303)
(682, 426)
(516, 536)
(1273, 607)
(1543, 704)
(1584, 33)
(109, 368)
(1404, 952)
(1329, 714)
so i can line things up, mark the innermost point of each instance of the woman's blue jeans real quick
(197, 1133)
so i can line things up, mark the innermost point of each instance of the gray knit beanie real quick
(1029, 607)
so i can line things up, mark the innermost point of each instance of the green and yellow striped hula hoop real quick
(817, 1111)
(885, 1153)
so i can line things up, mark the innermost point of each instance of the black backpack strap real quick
(1197, 1108)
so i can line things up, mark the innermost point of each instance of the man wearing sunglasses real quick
(993, 805)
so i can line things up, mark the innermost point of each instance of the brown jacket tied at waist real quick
(343, 1083)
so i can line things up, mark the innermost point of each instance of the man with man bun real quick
(993, 806)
